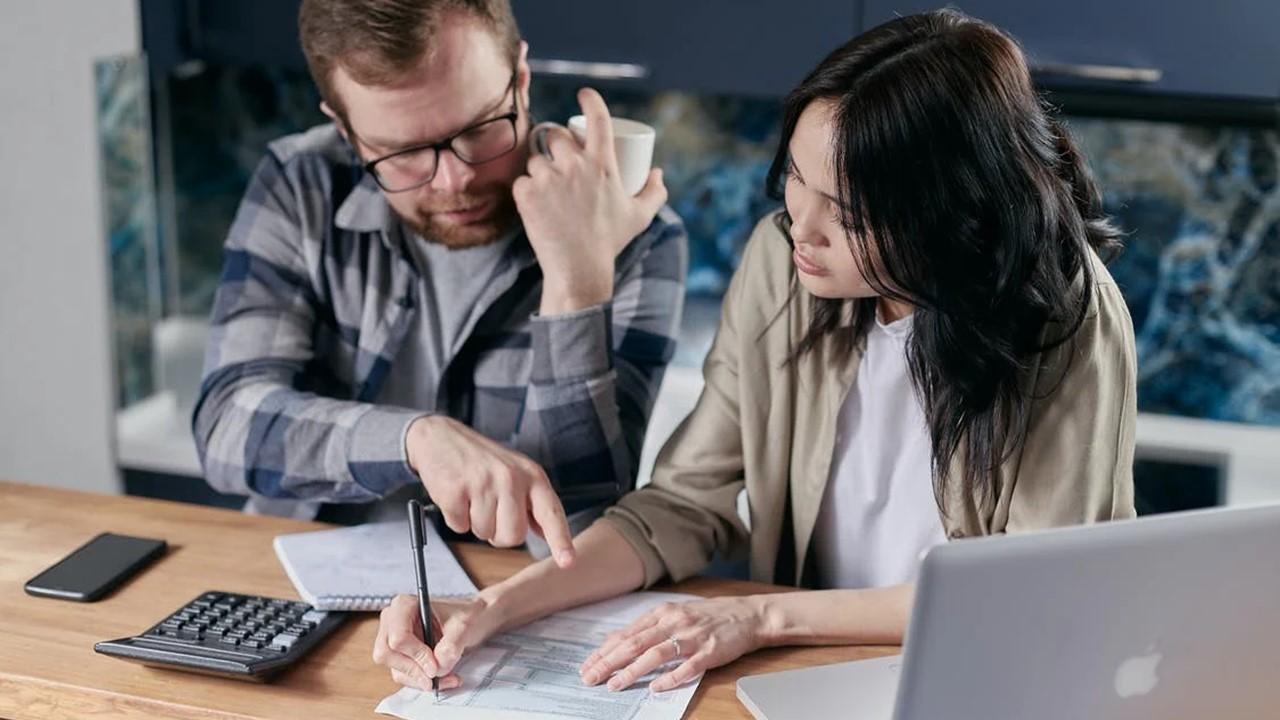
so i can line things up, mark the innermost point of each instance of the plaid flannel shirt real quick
(316, 297)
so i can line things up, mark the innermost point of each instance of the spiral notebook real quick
(364, 567)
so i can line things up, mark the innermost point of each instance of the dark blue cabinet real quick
(231, 32)
(587, 35)
(1224, 48)
(752, 47)
(1210, 48)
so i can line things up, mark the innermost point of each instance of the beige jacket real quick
(770, 428)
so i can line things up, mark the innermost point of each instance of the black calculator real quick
(245, 637)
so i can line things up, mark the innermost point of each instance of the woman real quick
(924, 345)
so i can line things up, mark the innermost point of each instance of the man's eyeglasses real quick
(416, 166)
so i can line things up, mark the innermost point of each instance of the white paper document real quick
(532, 672)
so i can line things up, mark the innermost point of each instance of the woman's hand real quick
(458, 625)
(706, 634)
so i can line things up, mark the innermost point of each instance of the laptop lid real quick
(1172, 616)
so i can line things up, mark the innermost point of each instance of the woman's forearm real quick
(875, 616)
(605, 567)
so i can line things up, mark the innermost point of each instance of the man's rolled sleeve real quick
(378, 458)
(573, 346)
(595, 372)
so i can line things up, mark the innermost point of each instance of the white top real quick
(878, 514)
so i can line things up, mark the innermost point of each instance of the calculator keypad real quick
(243, 637)
(227, 620)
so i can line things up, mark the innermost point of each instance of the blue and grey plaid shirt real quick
(316, 297)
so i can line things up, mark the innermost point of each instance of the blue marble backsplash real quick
(128, 196)
(1201, 206)
(1201, 267)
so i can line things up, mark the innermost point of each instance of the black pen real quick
(418, 540)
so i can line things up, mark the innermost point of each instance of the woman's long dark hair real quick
(978, 211)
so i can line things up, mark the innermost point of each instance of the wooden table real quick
(48, 669)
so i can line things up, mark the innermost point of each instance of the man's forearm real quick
(257, 435)
(572, 422)
(596, 369)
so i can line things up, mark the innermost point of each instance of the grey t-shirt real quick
(451, 286)
(452, 282)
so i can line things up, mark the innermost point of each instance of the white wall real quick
(56, 377)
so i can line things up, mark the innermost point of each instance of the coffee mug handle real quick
(538, 138)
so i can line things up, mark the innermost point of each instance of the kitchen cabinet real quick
(748, 47)
(1161, 48)
(1223, 48)
(230, 32)
(583, 37)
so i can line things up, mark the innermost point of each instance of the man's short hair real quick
(377, 41)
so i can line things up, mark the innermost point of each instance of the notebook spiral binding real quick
(352, 603)
(365, 603)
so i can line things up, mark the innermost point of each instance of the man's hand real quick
(576, 214)
(479, 485)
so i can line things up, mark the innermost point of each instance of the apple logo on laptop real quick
(1137, 675)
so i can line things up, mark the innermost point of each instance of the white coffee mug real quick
(632, 145)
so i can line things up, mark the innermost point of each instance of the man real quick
(403, 308)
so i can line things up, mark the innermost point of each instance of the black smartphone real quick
(95, 568)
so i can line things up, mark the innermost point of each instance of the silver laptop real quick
(1173, 616)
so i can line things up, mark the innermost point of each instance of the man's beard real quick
(500, 218)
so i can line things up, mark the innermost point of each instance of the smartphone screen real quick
(96, 567)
